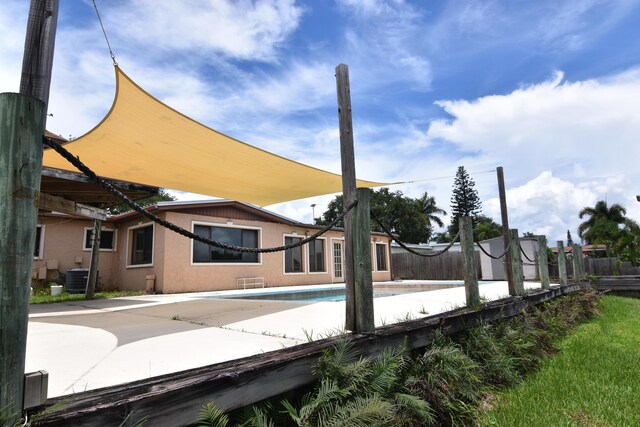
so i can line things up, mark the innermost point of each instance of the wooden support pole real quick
(562, 263)
(348, 187)
(583, 273)
(92, 280)
(505, 230)
(22, 124)
(21, 130)
(575, 260)
(543, 262)
(516, 264)
(471, 288)
(365, 320)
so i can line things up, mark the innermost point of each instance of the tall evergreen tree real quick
(464, 201)
(569, 239)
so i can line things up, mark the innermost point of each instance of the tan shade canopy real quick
(144, 141)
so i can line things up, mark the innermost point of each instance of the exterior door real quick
(337, 253)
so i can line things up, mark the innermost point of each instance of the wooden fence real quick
(609, 267)
(600, 267)
(448, 266)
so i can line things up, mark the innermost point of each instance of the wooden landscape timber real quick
(175, 399)
(624, 286)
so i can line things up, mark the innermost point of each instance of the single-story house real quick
(494, 269)
(137, 254)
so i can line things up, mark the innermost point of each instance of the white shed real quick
(494, 269)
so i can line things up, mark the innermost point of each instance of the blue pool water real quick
(331, 295)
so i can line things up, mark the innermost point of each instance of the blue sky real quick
(547, 89)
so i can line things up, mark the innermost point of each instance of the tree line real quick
(413, 220)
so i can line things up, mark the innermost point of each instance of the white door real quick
(337, 252)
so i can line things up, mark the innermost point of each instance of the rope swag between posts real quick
(408, 249)
(493, 256)
(75, 161)
(525, 255)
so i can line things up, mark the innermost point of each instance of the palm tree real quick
(431, 210)
(601, 212)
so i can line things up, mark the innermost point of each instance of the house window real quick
(107, 239)
(316, 256)
(204, 253)
(39, 246)
(381, 257)
(142, 245)
(293, 257)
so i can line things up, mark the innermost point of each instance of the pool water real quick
(333, 295)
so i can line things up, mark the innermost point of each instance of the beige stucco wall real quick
(64, 243)
(172, 263)
(133, 277)
(181, 275)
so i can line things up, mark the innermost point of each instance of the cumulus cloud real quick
(246, 30)
(560, 132)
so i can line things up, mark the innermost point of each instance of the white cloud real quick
(579, 139)
(544, 205)
(247, 30)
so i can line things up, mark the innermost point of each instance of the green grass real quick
(43, 297)
(593, 381)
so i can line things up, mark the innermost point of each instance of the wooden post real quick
(578, 260)
(22, 124)
(562, 263)
(362, 262)
(471, 289)
(543, 262)
(348, 187)
(20, 163)
(577, 274)
(92, 280)
(516, 264)
(505, 231)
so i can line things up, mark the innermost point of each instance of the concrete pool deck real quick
(91, 344)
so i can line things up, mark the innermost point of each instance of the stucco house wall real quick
(63, 248)
(172, 264)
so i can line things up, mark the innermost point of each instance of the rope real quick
(493, 256)
(525, 255)
(408, 249)
(75, 161)
(113, 57)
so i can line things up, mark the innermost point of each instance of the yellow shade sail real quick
(144, 141)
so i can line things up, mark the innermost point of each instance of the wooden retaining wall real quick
(175, 399)
(448, 266)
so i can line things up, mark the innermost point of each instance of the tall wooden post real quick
(22, 123)
(365, 321)
(543, 262)
(505, 231)
(20, 165)
(348, 187)
(576, 255)
(92, 280)
(562, 263)
(516, 264)
(471, 289)
(583, 271)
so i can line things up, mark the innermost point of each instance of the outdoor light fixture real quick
(638, 197)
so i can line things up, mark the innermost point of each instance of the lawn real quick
(593, 381)
(43, 296)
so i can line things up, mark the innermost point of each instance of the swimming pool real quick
(335, 294)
